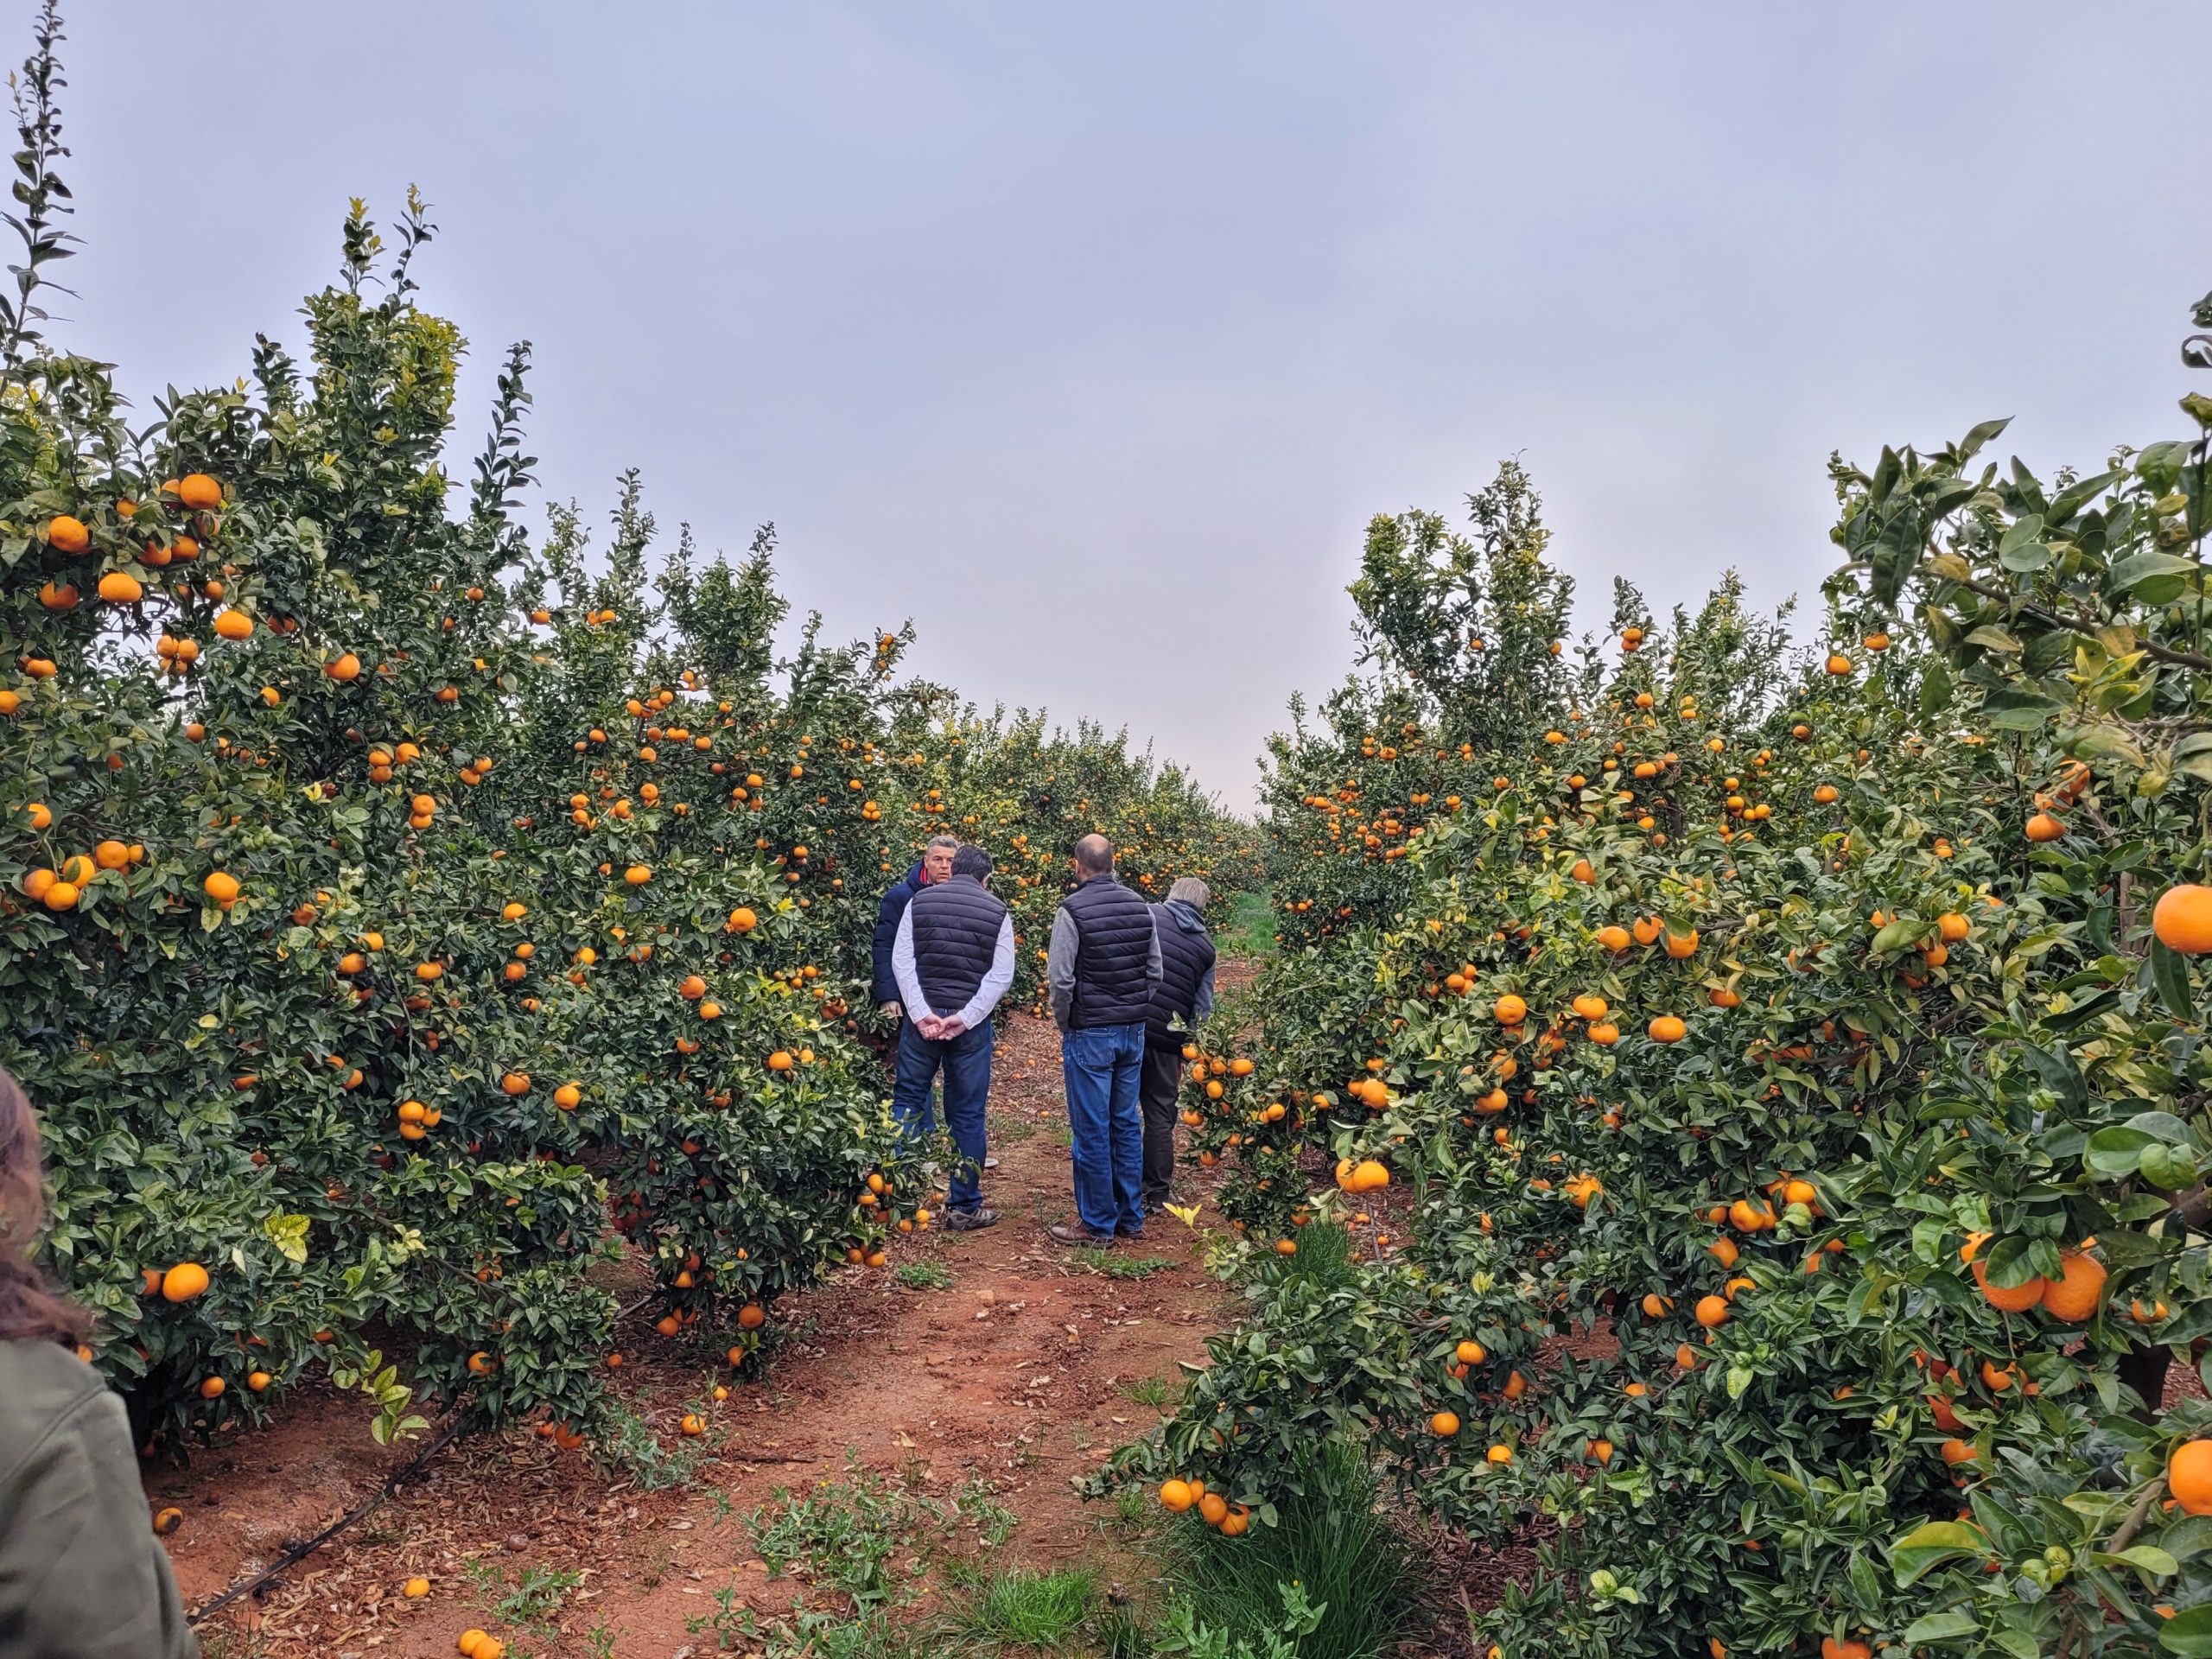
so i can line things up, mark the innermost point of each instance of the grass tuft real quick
(1152, 1391)
(1329, 1540)
(1326, 1259)
(1025, 1609)
(923, 1276)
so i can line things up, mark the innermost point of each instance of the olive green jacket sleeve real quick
(81, 1575)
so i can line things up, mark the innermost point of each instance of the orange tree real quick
(383, 893)
(1799, 1114)
(195, 842)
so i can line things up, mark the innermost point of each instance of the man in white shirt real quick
(953, 959)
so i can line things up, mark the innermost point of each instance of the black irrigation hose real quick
(300, 1552)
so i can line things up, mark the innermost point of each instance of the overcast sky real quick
(1090, 337)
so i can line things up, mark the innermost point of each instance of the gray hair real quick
(1193, 892)
(1095, 853)
(972, 859)
(952, 841)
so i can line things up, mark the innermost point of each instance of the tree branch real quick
(2084, 626)
(2136, 1516)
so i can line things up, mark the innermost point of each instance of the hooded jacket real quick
(884, 987)
(1185, 988)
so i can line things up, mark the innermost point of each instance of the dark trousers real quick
(966, 1060)
(1162, 1083)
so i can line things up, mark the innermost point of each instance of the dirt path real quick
(1020, 1371)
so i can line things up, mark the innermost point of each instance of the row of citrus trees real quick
(1772, 1082)
(397, 916)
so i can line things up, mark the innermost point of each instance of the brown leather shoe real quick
(1081, 1236)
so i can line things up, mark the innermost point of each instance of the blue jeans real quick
(1103, 1066)
(966, 1060)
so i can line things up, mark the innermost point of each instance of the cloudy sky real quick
(1089, 337)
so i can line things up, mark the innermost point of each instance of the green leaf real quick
(1929, 1544)
(1942, 1627)
(1935, 689)
(1979, 435)
(2018, 709)
(2142, 566)
(2020, 532)
(2165, 1125)
(2170, 973)
(2148, 1557)
(2116, 1152)
(1864, 1584)
(2159, 465)
(2057, 1070)
(2010, 1264)
(1903, 931)
(2193, 755)
(2028, 555)
(1992, 637)
(2188, 1538)
(2189, 1632)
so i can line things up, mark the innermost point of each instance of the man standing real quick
(1185, 994)
(954, 950)
(1103, 968)
(934, 865)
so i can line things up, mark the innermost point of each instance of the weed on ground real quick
(1330, 1542)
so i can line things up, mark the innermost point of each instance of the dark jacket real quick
(885, 987)
(1185, 990)
(82, 1576)
(956, 935)
(1105, 956)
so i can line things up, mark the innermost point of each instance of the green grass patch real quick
(1250, 928)
(925, 1275)
(1023, 1609)
(1115, 1265)
(1330, 1542)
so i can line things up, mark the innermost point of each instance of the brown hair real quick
(30, 1309)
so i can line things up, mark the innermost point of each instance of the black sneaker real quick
(1129, 1232)
(969, 1220)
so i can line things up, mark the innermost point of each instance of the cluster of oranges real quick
(1178, 1497)
(61, 889)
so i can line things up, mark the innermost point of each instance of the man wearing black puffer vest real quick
(1103, 968)
(954, 951)
(1184, 997)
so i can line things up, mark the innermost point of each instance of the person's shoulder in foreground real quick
(82, 1576)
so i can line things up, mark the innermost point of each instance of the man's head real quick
(1189, 890)
(937, 857)
(1094, 855)
(971, 860)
